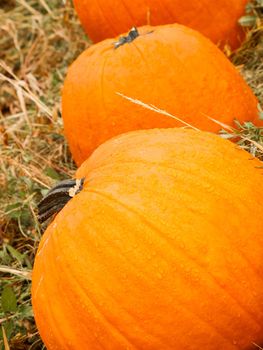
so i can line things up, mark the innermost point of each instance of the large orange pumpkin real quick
(162, 249)
(218, 20)
(172, 67)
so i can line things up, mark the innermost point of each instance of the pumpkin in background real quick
(218, 20)
(161, 249)
(172, 67)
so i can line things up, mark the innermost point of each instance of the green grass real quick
(38, 40)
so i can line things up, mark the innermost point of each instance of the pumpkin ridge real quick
(102, 89)
(49, 303)
(169, 12)
(164, 9)
(205, 173)
(106, 20)
(143, 162)
(143, 57)
(48, 300)
(96, 309)
(148, 65)
(181, 118)
(133, 20)
(64, 271)
(99, 312)
(182, 306)
(154, 228)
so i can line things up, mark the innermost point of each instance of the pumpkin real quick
(161, 248)
(171, 67)
(216, 20)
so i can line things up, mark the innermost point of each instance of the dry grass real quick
(249, 58)
(38, 40)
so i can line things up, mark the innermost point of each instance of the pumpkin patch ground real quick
(39, 40)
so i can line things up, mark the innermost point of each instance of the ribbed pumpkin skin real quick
(162, 249)
(173, 68)
(218, 20)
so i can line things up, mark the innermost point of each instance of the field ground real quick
(38, 40)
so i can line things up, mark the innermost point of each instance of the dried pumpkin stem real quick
(133, 34)
(58, 197)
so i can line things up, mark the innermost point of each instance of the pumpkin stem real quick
(58, 197)
(133, 34)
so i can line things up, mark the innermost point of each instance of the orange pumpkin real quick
(218, 20)
(161, 249)
(171, 67)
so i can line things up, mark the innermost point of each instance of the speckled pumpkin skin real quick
(171, 67)
(162, 249)
(218, 20)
